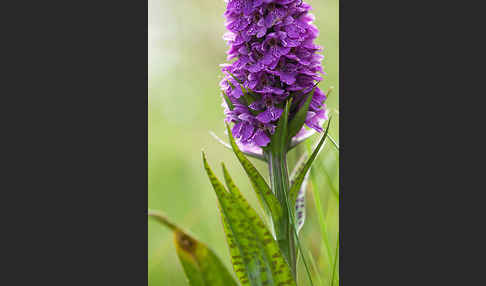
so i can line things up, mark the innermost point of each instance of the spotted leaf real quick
(256, 256)
(265, 196)
(201, 265)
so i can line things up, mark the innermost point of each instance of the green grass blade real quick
(336, 255)
(314, 266)
(303, 174)
(334, 143)
(323, 225)
(201, 265)
(324, 171)
(321, 215)
(265, 196)
(299, 246)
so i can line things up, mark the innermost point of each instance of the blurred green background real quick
(185, 49)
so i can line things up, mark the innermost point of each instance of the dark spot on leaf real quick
(186, 242)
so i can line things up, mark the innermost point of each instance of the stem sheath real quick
(279, 179)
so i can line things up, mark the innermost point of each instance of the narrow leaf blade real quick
(201, 265)
(300, 200)
(265, 196)
(247, 93)
(294, 189)
(272, 259)
(226, 145)
(255, 254)
(334, 143)
(228, 101)
(279, 138)
(299, 119)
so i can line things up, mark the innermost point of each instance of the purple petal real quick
(237, 92)
(246, 131)
(260, 138)
(254, 68)
(268, 58)
(288, 78)
(237, 129)
(261, 32)
(275, 112)
(265, 116)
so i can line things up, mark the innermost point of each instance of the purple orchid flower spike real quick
(276, 59)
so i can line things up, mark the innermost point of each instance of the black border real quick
(75, 103)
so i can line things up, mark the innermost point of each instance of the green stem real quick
(279, 179)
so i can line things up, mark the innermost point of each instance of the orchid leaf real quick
(265, 196)
(234, 77)
(300, 200)
(201, 265)
(279, 137)
(300, 205)
(295, 187)
(294, 142)
(299, 119)
(279, 147)
(256, 257)
(228, 101)
(299, 166)
(247, 99)
(247, 93)
(228, 146)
